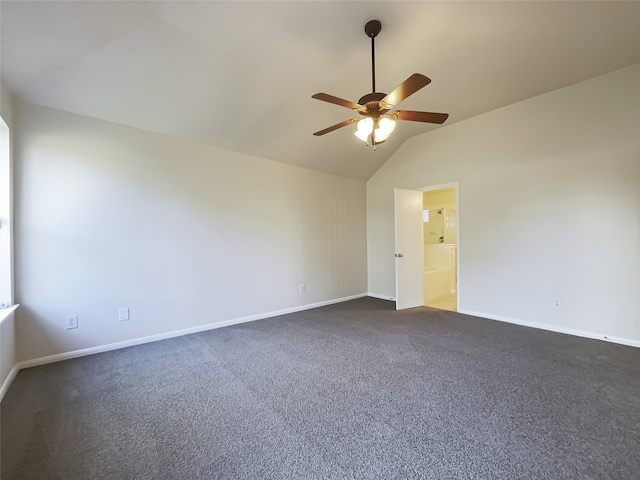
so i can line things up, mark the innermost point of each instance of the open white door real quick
(409, 249)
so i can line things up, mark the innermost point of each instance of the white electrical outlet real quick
(302, 288)
(123, 314)
(71, 321)
(557, 303)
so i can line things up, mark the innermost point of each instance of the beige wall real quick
(535, 178)
(438, 197)
(185, 235)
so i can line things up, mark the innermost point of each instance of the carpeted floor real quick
(353, 390)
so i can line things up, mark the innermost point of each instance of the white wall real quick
(183, 234)
(549, 193)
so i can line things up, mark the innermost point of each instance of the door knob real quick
(398, 255)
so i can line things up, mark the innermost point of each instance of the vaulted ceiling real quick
(240, 75)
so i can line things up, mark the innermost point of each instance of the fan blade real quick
(410, 86)
(336, 126)
(427, 117)
(335, 100)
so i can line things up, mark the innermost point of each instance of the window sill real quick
(6, 312)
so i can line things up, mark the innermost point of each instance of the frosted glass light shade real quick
(386, 126)
(365, 127)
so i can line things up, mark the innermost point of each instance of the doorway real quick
(440, 227)
(427, 247)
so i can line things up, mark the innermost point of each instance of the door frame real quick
(456, 187)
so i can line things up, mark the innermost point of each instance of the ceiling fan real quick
(377, 121)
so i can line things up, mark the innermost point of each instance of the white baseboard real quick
(176, 333)
(381, 297)
(552, 328)
(7, 382)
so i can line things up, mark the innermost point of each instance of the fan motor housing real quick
(372, 105)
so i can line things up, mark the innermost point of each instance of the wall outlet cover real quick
(123, 314)
(71, 321)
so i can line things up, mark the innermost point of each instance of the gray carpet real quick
(354, 390)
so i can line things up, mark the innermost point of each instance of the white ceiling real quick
(240, 75)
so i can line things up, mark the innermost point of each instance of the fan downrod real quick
(372, 29)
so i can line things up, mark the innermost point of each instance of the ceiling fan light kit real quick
(380, 128)
(379, 122)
